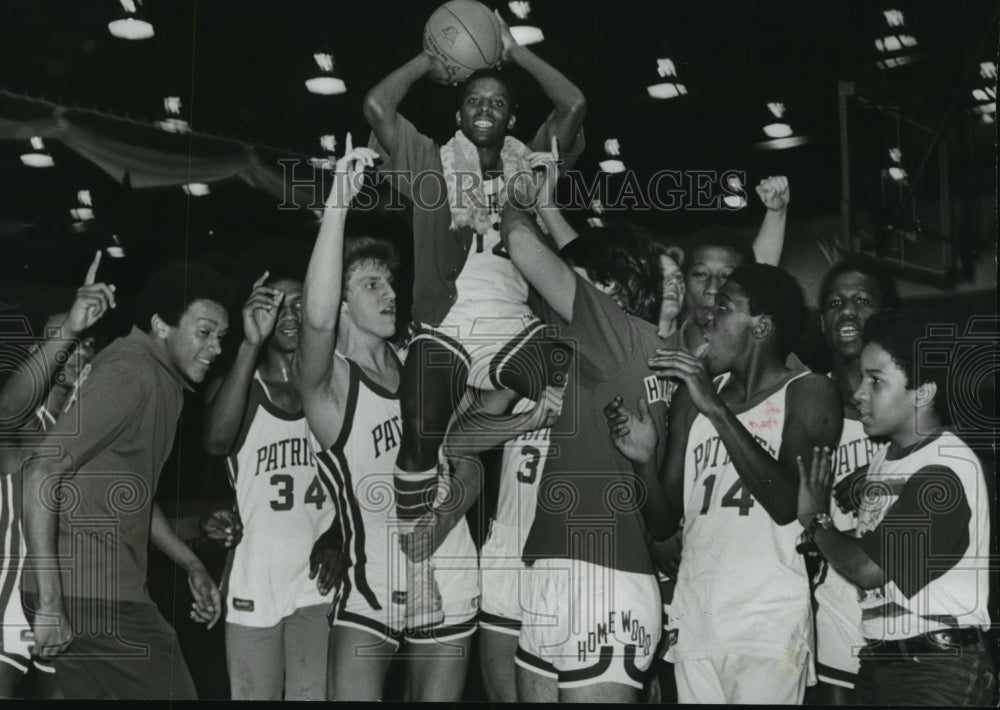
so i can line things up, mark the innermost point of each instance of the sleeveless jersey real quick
(742, 587)
(959, 597)
(284, 509)
(489, 285)
(357, 471)
(523, 462)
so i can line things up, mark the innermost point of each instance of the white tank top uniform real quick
(284, 509)
(742, 587)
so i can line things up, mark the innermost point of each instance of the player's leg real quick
(357, 663)
(305, 641)
(496, 659)
(533, 687)
(10, 678)
(436, 672)
(830, 694)
(433, 380)
(530, 362)
(600, 693)
(255, 659)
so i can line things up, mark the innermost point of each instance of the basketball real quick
(465, 36)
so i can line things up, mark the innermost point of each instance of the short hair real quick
(869, 266)
(491, 73)
(720, 236)
(364, 250)
(898, 332)
(775, 293)
(170, 291)
(623, 254)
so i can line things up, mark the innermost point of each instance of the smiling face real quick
(886, 407)
(486, 113)
(729, 333)
(710, 267)
(286, 330)
(194, 343)
(370, 300)
(853, 297)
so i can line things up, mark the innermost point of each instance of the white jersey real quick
(742, 587)
(489, 285)
(523, 462)
(284, 509)
(838, 614)
(959, 596)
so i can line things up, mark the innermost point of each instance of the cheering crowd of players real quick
(669, 467)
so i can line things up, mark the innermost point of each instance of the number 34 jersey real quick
(742, 587)
(284, 509)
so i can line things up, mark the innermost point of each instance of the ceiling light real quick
(897, 173)
(897, 43)
(82, 214)
(129, 24)
(777, 130)
(37, 157)
(523, 27)
(326, 83)
(670, 88)
(115, 251)
(196, 189)
(612, 148)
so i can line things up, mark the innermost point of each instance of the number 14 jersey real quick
(284, 509)
(742, 587)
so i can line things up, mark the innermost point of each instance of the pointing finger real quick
(348, 143)
(92, 271)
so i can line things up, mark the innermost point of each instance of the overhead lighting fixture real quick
(37, 157)
(326, 83)
(896, 173)
(735, 201)
(523, 27)
(82, 214)
(783, 143)
(173, 123)
(328, 143)
(897, 44)
(668, 89)
(778, 128)
(115, 251)
(130, 24)
(612, 164)
(196, 189)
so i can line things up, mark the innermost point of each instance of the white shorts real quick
(486, 344)
(456, 572)
(585, 624)
(838, 630)
(742, 680)
(504, 580)
(15, 650)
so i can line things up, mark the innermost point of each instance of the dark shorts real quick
(120, 650)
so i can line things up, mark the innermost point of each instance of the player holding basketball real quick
(470, 302)
(348, 376)
(276, 637)
(851, 292)
(741, 606)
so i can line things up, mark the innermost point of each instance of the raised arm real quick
(382, 101)
(21, 394)
(770, 240)
(544, 270)
(569, 102)
(321, 292)
(227, 398)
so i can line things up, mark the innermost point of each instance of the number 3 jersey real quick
(741, 588)
(284, 509)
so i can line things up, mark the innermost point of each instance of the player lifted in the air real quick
(470, 303)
